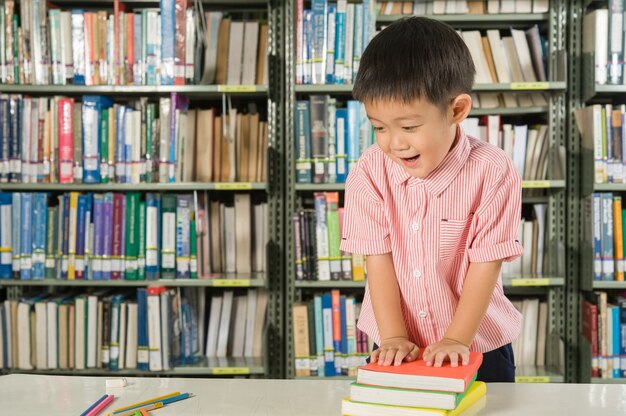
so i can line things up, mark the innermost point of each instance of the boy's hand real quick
(447, 348)
(395, 350)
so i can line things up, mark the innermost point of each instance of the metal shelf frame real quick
(557, 196)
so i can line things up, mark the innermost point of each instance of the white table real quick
(25, 395)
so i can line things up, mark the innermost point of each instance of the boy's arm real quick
(385, 295)
(475, 297)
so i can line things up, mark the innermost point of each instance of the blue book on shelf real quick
(608, 257)
(596, 211)
(88, 234)
(168, 40)
(183, 253)
(120, 136)
(353, 134)
(330, 43)
(143, 354)
(5, 138)
(341, 136)
(26, 239)
(340, 40)
(6, 234)
(318, 44)
(81, 218)
(329, 348)
(92, 109)
(98, 243)
(40, 222)
(64, 229)
(616, 341)
(16, 214)
(307, 39)
(107, 236)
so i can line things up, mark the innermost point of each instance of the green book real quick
(104, 146)
(141, 255)
(332, 221)
(132, 235)
(51, 239)
(193, 250)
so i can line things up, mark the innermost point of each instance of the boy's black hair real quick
(415, 58)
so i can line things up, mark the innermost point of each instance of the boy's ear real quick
(460, 107)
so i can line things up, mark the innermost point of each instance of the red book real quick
(417, 375)
(66, 142)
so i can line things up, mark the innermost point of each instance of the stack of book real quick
(416, 389)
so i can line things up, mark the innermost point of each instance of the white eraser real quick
(116, 382)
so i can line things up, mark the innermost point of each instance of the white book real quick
(535, 157)
(23, 337)
(499, 58)
(473, 40)
(439, 7)
(250, 50)
(230, 239)
(541, 215)
(259, 323)
(165, 330)
(238, 336)
(527, 243)
(190, 43)
(41, 337)
(123, 330)
(243, 228)
(493, 6)
(349, 45)
(225, 317)
(135, 138)
(530, 312)
(92, 328)
(531, 143)
(99, 334)
(67, 59)
(213, 20)
(541, 6)
(515, 69)
(250, 318)
(154, 333)
(131, 337)
(260, 238)
(52, 315)
(507, 6)
(542, 326)
(523, 6)
(520, 135)
(235, 53)
(80, 336)
(214, 326)
(596, 41)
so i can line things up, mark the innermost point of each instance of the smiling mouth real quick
(410, 162)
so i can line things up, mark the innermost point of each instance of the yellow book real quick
(469, 405)
(71, 263)
(358, 267)
(618, 238)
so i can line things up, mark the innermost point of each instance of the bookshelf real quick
(552, 286)
(597, 287)
(267, 97)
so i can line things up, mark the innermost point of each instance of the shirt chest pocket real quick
(453, 237)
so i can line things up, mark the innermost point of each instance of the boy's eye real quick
(410, 128)
(377, 129)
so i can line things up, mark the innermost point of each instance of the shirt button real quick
(423, 314)
(417, 273)
(415, 226)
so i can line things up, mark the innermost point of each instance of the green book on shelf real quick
(469, 405)
(132, 235)
(141, 255)
(104, 145)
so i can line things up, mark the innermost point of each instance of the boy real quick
(436, 212)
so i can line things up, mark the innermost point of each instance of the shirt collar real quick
(440, 178)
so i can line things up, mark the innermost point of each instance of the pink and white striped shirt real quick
(467, 210)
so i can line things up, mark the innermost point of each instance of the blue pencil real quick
(94, 405)
(169, 400)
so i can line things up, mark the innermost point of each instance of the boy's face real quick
(419, 135)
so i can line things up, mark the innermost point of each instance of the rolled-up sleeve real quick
(365, 228)
(497, 220)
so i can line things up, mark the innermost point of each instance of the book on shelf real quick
(603, 322)
(540, 257)
(152, 329)
(471, 404)
(124, 236)
(417, 375)
(173, 44)
(316, 235)
(529, 349)
(327, 342)
(94, 140)
(473, 7)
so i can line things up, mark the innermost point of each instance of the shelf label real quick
(535, 184)
(233, 186)
(230, 371)
(543, 281)
(530, 85)
(231, 282)
(532, 379)
(236, 88)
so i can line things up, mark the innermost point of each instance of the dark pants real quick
(498, 365)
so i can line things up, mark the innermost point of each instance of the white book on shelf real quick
(531, 143)
(131, 335)
(92, 330)
(224, 325)
(52, 318)
(230, 239)
(165, 317)
(124, 330)
(41, 336)
(259, 323)
(596, 41)
(80, 336)
(235, 53)
(250, 320)
(526, 63)
(520, 134)
(154, 332)
(238, 335)
(440, 6)
(515, 69)
(507, 6)
(99, 334)
(541, 6)
(542, 327)
(530, 312)
(527, 243)
(541, 216)
(534, 173)
(23, 337)
(523, 6)
(250, 51)
(243, 230)
(214, 326)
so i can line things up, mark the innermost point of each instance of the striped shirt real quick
(467, 210)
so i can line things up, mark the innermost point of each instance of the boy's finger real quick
(439, 357)
(389, 355)
(465, 358)
(454, 359)
(412, 355)
(400, 354)
(374, 355)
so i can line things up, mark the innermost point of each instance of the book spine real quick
(107, 232)
(353, 134)
(72, 235)
(80, 237)
(132, 235)
(141, 256)
(40, 212)
(104, 145)
(98, 237)
(6, 234)
(319, 139)
(332, 219)
(608, 262)
(341, 116)
(329, 348)
(321, 236)
(143, 355)
(303, 142)
(116, 253)
(152, 233)
(120, 122)
(168, 237)
(16, 215)
(66, 146)
(168, 41)
(26, 238)
(183, 218)
(78, 47)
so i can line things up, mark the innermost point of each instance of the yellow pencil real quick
(149, 401)
(146, 408)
